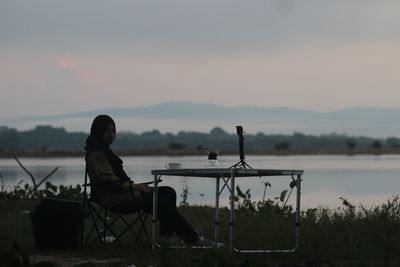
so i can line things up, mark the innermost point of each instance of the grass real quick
(346, 236)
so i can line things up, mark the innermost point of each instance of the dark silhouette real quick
(114, 189)
(282, 146)
(58, 139)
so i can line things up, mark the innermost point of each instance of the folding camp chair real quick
(110, 225)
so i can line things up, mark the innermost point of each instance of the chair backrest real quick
(85, 186)
(87, 183)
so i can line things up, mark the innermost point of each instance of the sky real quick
(60, 57)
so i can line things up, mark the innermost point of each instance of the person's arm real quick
(141, 187)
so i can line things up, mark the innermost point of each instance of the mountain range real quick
(188, 116)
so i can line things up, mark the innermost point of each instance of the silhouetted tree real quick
(376, 144)
(217, 131)
(53, 138)
(282, 146)
(351, 143)
(393, 142)
(9, 138)
(176, 146)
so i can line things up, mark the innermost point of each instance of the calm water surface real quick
(366, 180)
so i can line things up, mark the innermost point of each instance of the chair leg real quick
(143, 226)
(105, 225)
(96, 216)
(108, 227)
(100, 215)
(86, 240)
(129, 227)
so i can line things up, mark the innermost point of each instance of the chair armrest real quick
(151, 182)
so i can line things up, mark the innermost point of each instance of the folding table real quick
(228, 176)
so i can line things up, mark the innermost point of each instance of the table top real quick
(224, 172)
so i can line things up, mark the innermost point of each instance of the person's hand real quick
(141, 187)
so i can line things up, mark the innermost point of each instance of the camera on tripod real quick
(241, 164)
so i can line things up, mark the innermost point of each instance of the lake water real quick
(365, 179)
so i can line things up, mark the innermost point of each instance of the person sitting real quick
(114, 189)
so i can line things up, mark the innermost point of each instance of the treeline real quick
(48, 138)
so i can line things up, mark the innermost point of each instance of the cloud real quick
(88, 75)
(319, 76)
(206, 26)
(319, 55)
(66, 62)
(82, 73)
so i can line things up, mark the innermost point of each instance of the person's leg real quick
(167, 213)
(168, 194)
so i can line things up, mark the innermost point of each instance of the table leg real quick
(216, 221)
(154, 219)
(298, 183)
(232, 219)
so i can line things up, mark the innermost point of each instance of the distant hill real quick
(176, 116)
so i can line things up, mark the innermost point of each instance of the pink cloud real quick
(66, 62)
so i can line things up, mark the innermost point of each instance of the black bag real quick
(58, 224)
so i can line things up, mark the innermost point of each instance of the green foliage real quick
(244, 202)
(48, 138)
(376, 144)
(282, 197)
(348, 235)
(393, 142)
(25, 191)
(270, 206)
(370, 233)
(199, 147)
(351, 143)
(350, 207)
(347, 232)
(185, 193)
(176, 146)
(293, 183)
(282, 145)
(217, 131)
(9, 138)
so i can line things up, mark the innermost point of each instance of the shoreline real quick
(165, 152)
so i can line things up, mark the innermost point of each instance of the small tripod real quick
(241, 164)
